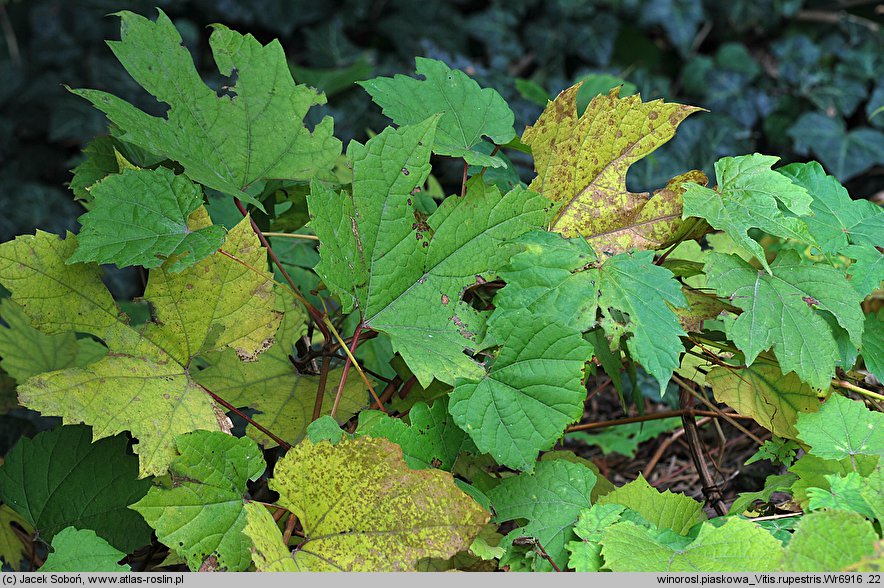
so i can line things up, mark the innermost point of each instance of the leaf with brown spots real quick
(144, 384)
(582, 163)
(362, 509)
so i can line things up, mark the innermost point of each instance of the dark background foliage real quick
(802, 79)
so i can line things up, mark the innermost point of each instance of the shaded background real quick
(801, 79)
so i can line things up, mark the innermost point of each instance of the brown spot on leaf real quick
(653, 115)
(445, 299)
(810, 300)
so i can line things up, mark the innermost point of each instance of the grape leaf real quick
(813, 472)
(27, 352)
(272, 386)
(254, 132)
(530, 394)
(827, 541)
(764, 393)
(407, 274)
(269, 553)
(784, 310)
(12, 549)
(844, 493)
(362, 509)
(582, 163)
(431, 440)
(561, 280)
(139, 217)
(60, 478)
(100, 160)
(736, 546)
(664, 510)
(550, 499)
(749, 194)
(873, 344)
(202, 514)
(468, 111)
(81, 550)
(586, 555)
(867, 270)
(842, 428)
(837, 220)
(214, 304)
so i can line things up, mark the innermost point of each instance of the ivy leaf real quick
(762, 391)
(845, 154)
(582, 163)
(202, 514)
(217, 303)
(431, 440)
(664, 510)
(12, 549)
(362, 509)
(749, 194)
(842, 428)
(60, 479)
(830, 540)
(272, 386)
(139, 217)
(550, 499)
(530, 394)
(784, 310)
(219, 139)
(837, 220)
(82, 550)
(407, 274)
(27, 352)
(468, 111)
(561, 280)
(625, 439)
(736, 546)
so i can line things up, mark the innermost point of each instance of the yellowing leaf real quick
(764, 393)
(12, 549)
(362, 509)
(582, 162)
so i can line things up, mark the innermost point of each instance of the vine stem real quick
(320, 389)
(463, 185)
(352, 360)
(314, 313)
(354, 343)
(684, 386)
(653, 417)
(695, 444)
(854, 388)
(247, 418)
(292, 236)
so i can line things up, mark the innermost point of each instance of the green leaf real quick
(829, 541)
(219, 140)
(325, 428)
(845, 154)
(625, 439)
(750, 194)
(842, 428)
(837, 220)
(76, 550)
(784, 310)
(283, 397)
(139, 217)
(431, 440)
(58, 298)
(217, 303)
(469, 112)
(530, 394)
(582, 163)
(664, 510)
(772, 484)
(550, 499)
(812, 472)
(561, 280)
(844, 493)
(269, 553)
(27, 352)
(12, 549)
(60, 479)
(202, 515)
(100, 161)
(362, 509)
(873, 344)
(764, 393)
(736, 546)
(406, 273)
(867, 271)
(586, 555)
